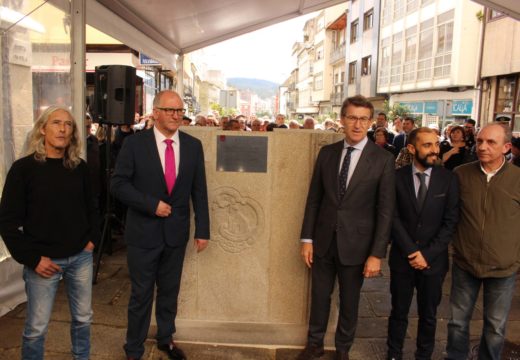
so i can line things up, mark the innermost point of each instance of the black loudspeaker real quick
(114, 94)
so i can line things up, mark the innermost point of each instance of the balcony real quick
(336, 98)
(337, 54)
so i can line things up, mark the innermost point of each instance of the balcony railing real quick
(337, 53)
(336, 98)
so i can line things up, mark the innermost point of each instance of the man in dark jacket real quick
(427, 211)
(486, 245)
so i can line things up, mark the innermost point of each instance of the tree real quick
(395, 110)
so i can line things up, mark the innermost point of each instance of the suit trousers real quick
(162, 267)
(429, 294)
(350, 279)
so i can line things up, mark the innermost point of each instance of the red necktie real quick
(169, 165)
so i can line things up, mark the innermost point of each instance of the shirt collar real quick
(428, 171)
(492, 173)
(159, 137)
(359, 146)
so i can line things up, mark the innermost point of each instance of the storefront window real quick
(507, 105)
(35, 48)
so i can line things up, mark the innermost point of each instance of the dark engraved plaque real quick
(242, 153)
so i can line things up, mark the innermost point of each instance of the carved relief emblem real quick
(239, 220)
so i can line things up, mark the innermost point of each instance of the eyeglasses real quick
(171, 111)
(362, 119)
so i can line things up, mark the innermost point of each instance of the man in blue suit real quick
(426, 214)
(400, 140)
(157, 172)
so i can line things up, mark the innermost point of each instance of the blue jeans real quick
(498, 293)
(77, 273)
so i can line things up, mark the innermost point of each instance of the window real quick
(342, 77)
(508, 100)
(354, 31)
(442, 62)
(366, 65)
(424, 65)
(410, 54)
(318, 82)
(426, 2)
(399, 9)
(368, 20)
(397, 53)
(384, 67)
(493, 14)
(352, 72)
(386, 12)
(411, 5)
(319, 52)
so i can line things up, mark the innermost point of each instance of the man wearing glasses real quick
(157, 172)
(347, 225)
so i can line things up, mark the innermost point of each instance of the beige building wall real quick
(501, 53)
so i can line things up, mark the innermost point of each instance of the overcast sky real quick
(264, 54)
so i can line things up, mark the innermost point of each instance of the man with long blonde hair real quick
(48, 222)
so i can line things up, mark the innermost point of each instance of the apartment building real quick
(501, 70)
(428, 57)
(361, 45)
(315, 76)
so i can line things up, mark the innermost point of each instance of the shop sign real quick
(431, 107)
(148, 61)
(462, 107)
(414, 107)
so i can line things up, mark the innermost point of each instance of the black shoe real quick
(173, 352)
(342, 355)
(311, 352)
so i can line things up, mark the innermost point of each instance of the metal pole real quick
(77, 66)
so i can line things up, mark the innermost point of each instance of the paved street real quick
(108, 331)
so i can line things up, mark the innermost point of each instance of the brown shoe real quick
(341, 355)
(311, 352)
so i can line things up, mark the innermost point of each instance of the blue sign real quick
(146, 60)
(461, 107)
(414, 107)
(430, 107)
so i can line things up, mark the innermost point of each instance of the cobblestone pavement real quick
(110, 299)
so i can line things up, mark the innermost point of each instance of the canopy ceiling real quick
(181, 26)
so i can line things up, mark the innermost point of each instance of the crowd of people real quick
(407, 186)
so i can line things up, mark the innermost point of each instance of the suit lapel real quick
(181, 159)
(153, 155)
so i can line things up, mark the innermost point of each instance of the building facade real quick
(428, 57)
(361, 43)
(500, 84)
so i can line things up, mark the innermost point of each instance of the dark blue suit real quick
(156, 245)
(399, 142)
(428, 230)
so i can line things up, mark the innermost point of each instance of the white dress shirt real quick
(417, 182)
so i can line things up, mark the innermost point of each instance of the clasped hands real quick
(417, 261)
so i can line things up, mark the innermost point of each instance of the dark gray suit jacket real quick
(429, 230)
(139, 183)
(362, 219)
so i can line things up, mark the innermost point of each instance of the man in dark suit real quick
(156, 173)
(401, 139)
(347, 224)
(427, 212)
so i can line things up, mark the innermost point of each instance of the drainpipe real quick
(480, 60)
